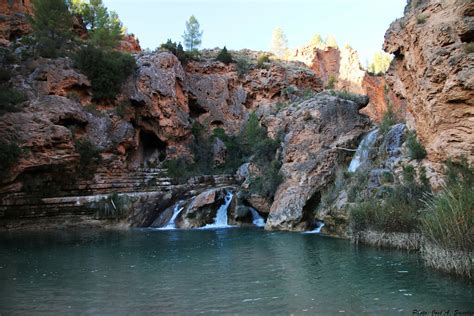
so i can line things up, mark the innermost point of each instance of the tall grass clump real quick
(447, 224)
(415, 148)
(389, 119)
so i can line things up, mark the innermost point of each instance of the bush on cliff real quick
(392, 209)
(106, 69)
(9, 99)
(389, 119)
(262, 61)
(52, 24)
(178, 50)
(9, 155)
(89, 156)
(415, 148)
(224, 56)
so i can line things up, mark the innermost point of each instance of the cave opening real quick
(309, 209)
(153, 149)
(195, 109)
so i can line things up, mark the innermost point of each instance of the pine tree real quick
(331, 41)
(380, 63)
(52, 24)
(279, 46)
(224, 56)
(192, 35)
(105, 28)
(316, 40)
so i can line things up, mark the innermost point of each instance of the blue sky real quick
(249, 24)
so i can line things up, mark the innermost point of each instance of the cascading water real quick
(220, 221)
(317, 230)
(172, 222)
(362, 152)
(257, 220)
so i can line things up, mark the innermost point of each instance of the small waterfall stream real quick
(172, 222)
(257, 220)
(317, 230)
(362, 152)
(220, 221)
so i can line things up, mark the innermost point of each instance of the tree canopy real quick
(105, 28)
(380, 63)
(192, 36)
(52, 24)
(279, 45)
(331, 41)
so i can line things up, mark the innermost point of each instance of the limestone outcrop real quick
(316, 133)
(14, 20)
(434, 72)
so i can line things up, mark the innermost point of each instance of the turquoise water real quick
(243, 271)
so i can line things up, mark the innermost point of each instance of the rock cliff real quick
(433, 71)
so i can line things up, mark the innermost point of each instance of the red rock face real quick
(434, 72)
(344, 66)
(129, 44)
(13, 19)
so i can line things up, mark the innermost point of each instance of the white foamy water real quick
(220, 221)
(257, 220)
(172, 222)
(362, 152)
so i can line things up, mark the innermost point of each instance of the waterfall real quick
(171, 223)
(220, 221)
(317, 230)
(362, 152)
(257, 220)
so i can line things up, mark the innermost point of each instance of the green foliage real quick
(192, 36)
(5, 75)
(251, 144)
(178, 51)
(415, 148)
(393, 208)
(421, 19)
(89, 156)
(449, 215)
(469, 48)
(354, 97)
(114, 207)
(316, 40)
(380, 63)
(331, 41)
(279, 45)
(331, 82)
(9, 155)
(262, 60)
(52, 23)
(106, 69)
(389, 119)
(9, 99)
(242, 66)
(105, 28)
(224, 56)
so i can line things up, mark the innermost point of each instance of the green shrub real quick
(449, 215)
(421, 19)
(262, 60)
(415, 148)
(331, 82)
(5, 75)
(106, 69)
(242, 66)
(178, 50)
(469, 48)
(267, 183)
(9, 155)
(224, 56)
(389, 119)
(9, 98)
(89, 156)
(346, 95)
(114, 207)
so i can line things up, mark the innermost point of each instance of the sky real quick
(249, 24)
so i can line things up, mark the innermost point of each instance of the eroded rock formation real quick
(317, 132)
(434, 73)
